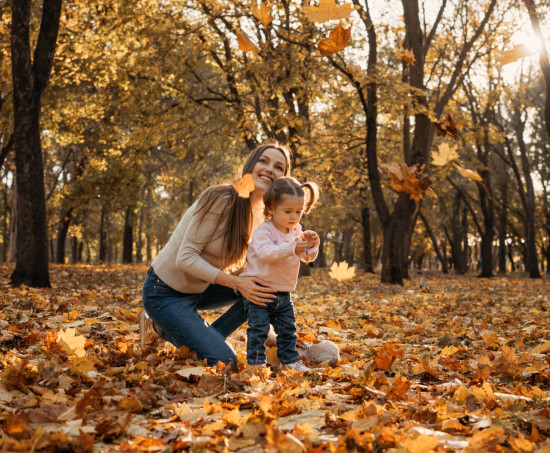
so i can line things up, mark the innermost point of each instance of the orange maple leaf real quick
(411, 180)
(398, 390)
(406, 55)
(244, 186)
(245, 43)
(262, 14)
(337, 40)
(328, 10)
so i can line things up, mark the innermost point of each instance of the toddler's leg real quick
(258, 328)
(284, 323)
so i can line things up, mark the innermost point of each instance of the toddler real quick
(274, 254)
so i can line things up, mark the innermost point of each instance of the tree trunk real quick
(30, 78)
(128, 240)
(544, 60)
(62, 231)
(367, 248)
(102, 236)
(139, 242)
(395, 244)
(503, 219)
(440, 256)
(487, 207)
(531, 260)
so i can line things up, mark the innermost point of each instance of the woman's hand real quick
(255, 290)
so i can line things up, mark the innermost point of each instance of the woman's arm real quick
(253, 289)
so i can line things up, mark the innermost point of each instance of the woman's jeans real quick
(280, 314)
(176, 318)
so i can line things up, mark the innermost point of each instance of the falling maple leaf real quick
(338, 40)
(447, 126)
(406, 55)
(411, 180)
(262, 14)
(244, 186)
(341, 272)
(517, 52)
(328, 10)
(245, 43)
(444, 155)
(354, 69)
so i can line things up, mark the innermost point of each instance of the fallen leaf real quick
(72, 344)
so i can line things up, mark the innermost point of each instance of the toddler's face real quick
(287, 213)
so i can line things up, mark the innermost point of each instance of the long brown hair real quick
(290, 187)
(237, 217)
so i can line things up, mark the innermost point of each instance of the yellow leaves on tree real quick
(328, 10)
(411, 180)
(338, 40)
(262, 14)
(245, 43)
(340, 271)
(517, 52)
(244, 186)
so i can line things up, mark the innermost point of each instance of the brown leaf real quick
(338, 40)
(398, 390)
(407, 55)
(447, 127)
(245, 43)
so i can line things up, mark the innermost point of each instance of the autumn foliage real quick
(460, 364)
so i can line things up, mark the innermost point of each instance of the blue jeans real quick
(176, 318)
(280, 314)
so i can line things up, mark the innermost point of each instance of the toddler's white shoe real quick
(296, 366)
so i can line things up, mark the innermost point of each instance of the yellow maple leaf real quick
(449, 350)
(515, 53)
(338, 40)
(341, 272)
(406, 55)
(444, 155)
(72, 344)
(244, 186)
(262, 14)
(245, 43)
(328, 10)
(233, 417)
(420, 444)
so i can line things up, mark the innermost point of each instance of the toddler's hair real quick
(291, 187)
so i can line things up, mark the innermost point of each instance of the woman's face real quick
(270, 166)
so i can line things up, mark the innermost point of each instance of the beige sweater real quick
(191, 259)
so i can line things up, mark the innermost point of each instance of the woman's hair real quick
(237, 216)
(289, 186)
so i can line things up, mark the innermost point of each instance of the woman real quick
(197, 269)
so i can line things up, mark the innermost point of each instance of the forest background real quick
(424, 123)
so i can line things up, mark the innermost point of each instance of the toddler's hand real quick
(301, 247)
(311, 237)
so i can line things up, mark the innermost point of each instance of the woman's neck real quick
(256, 198)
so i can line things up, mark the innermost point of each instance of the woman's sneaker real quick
(296, 366)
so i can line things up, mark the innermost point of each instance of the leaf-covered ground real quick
(445, 364)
